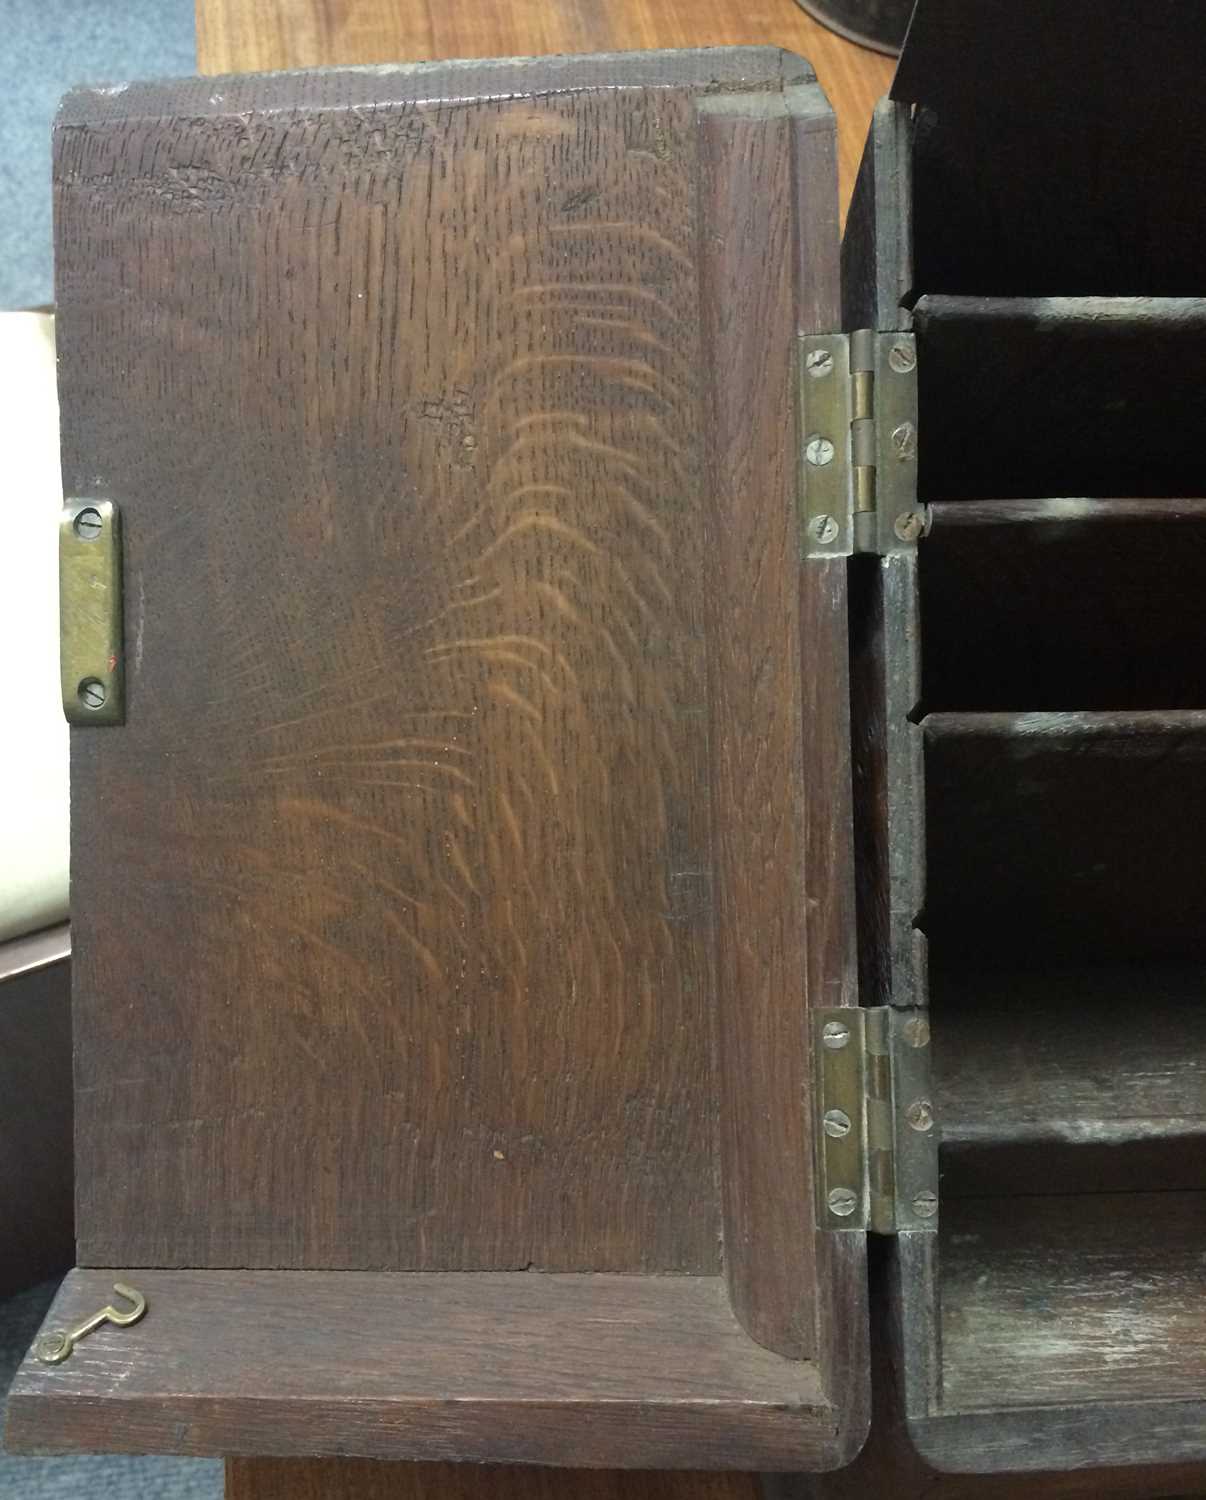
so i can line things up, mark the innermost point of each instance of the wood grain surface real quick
(1070, 1080)
(1049, 1301)
(890, 1465)
(234, 36)
(619, 1371)
(754, 153)
(432, 824)
(481, 818)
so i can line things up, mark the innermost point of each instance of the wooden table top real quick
(247, 36)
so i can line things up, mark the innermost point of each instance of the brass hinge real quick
(90, 615)
(858, 443)
(876, 1132)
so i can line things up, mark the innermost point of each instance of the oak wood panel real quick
(638, 1371)
(431, 826)
(759, 251)
(351, 1479)
(1063, 1301)
(456, 866)
(234, 36)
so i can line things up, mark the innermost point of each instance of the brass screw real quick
(92, 693)
(902, 358)
(842, 1201)
(835, 1034)
(917, 1031)
(88, 524)
(904, 440)
(920, 1115)
(819, 363)
(819, 452)
(825, 529)
(925, 1205)
(52, 1348)
(836, 1123)
(909, 525)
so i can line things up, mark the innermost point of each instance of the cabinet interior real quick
(1062, 720)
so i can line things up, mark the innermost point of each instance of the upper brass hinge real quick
(857, 396)
(875, 1126)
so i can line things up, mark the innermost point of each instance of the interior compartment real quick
(1076, 1079)
(1057, 839)
(1056, 147)
(1054, 1300)
(1064, 604)
(1066, 919)
(1029, 397)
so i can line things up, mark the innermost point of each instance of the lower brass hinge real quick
(858, 443)
(875, 1128)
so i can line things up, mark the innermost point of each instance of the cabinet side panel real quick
(779, 715)
(394, 894)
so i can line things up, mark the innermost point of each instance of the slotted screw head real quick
(836, 1123)
(92, 693)
(904, 440)
(842, 1201)
(819, 452)
(88, 524)
(902, 358)
(835, 1034)
(909, 525)
(819, 363)
(824, 528)
(920, 1115)
(925, 1205)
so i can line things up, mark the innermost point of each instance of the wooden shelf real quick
(1064, 837)
(1059, 395)
(1088, 1080)
(1064, 604)
(1093, 1298)
(520, 1368)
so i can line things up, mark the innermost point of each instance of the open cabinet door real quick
(449, 905)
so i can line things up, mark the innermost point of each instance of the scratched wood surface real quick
(402, 403)
(234, 36)
(1064, 1103)
(1049, 1300)
(481, 829)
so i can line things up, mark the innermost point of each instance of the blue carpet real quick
(45, 47)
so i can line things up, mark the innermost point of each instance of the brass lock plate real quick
(90, 616)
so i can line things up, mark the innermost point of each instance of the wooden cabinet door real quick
(449, 905)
